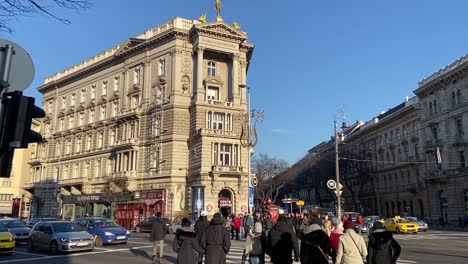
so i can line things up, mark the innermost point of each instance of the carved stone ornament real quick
(186, 65)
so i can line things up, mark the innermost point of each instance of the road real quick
(427, 248)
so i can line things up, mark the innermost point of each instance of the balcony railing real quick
(122, 174)
(220, 103)
(71, 181)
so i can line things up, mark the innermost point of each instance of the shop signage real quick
(83, 198)
(155, 195)
(148, 202)
(225, 202)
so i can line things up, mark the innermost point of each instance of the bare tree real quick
(270, 180)
(11, 10)
(112, 191)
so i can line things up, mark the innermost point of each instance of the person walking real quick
(282, 242)
(351, 248)
(185, 244)
(158, 233)
(383, 248)
(314, 244)
(247, 223)
(236, 226)
(327, 225)
(359, 223)
(335, 240)
(255, 246)
(215, 241)
(201, 225)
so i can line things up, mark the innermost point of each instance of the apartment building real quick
(152, 124)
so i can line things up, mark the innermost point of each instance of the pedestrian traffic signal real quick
(17, 113)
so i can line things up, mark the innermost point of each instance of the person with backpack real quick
(282, 242)
(352, 247)
(255, 246)
(383, 248)
(186, 244)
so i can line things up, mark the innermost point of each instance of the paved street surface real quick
(426, 247)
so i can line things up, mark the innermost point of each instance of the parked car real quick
(34, 221)
(147, 224)
(17, 227)
(421, 224)
(173, 228)
(59, 237)
(105, 231)
(400, 225)
(7, 241)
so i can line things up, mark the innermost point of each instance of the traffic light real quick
(17, 113)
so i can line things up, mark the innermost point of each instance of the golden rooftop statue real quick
(202, 18)
(218, 10)
(236, 25)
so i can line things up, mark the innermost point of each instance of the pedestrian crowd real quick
(308, 238)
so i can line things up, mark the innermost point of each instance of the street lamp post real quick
(337, 170)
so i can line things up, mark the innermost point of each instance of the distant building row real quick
(409, 160)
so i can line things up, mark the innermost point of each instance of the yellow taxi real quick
(7, 241)
(400, 225)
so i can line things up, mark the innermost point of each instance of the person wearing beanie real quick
(185, 244)
(334, 240)
(314, 243)
(216, 241)
(351, 248)
(282, 242)
(255, 246)
(383, 248)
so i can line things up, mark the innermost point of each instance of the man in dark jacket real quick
(382, 248)
(200, 227)
(281, 243)
(158, 232)
(185, 244)
(314, 244)
(216, 241)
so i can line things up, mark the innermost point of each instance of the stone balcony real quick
(122, 175)
(216, 132)
(222, 169)
(72, 181)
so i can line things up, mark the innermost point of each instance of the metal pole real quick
(6, 66)
(337, 168)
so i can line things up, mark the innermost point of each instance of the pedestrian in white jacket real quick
(352, 247)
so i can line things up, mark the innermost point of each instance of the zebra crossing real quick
(235, 256)
(432, 235)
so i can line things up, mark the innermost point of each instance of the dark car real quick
(17, 227)
(147, 224)
(34, 221)
(105, 231)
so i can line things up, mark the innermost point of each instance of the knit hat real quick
(282, 218)
(258, 228)
(203, 213)
(348, 224)
(378, 225)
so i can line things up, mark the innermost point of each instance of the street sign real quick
(254, 181)
(209, 208)
(199, 204)
(19, 67)
(331, 184)
(148, 202)
(300, 203)
(251, 197)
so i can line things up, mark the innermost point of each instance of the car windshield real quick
(13, 223)
(3, 228)
(66, 227)
(403, 220)
(105, 223)
(414, 219)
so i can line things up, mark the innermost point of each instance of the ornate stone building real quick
(152, 124)
(444, 117)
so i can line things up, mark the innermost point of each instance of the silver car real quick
(422, 226)
(59, 237)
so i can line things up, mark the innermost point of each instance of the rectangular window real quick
(459, 125)
(135, 102)
(103, 112)
(6, 197)
(162, 67)
(136, 76)
(225, 154)
(435, 133)
(72, 103)
(93, 92)
(64, 102)
(218, 121)
(462, 159)
(397, 133)
(212, 94)
(215, 154)
(83, 95)
(104, 88)
(116, 83)
(211, 68)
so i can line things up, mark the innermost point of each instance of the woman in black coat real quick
(186, 244)
(382, 248)
(216, 241)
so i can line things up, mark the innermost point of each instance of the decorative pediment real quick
(220, 29)
(213, 80)
(130, 43)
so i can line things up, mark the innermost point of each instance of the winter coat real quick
(281, 243)
(255, 245)
(200, 227)
(351, 248)
(216, 242)
(314, 246)
(383, 248)
(159, 229)
(334, 242)
(237, 223)
(186, 245)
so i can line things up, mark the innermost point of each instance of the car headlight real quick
(63, 239)
(108, 234)
(11, 239)
(128, 232)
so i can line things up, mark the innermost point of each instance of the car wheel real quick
(98, 241)
(54, 250)
(29, 245)
(397, 230)
(137, 229)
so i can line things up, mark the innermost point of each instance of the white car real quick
(173, 228)
(421, 224)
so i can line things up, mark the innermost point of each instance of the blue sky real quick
(311, 58)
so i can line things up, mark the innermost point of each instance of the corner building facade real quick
(153, 124)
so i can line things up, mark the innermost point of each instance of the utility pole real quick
(337, 168)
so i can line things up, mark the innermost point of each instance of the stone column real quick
(200, 89)
(235, 78)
